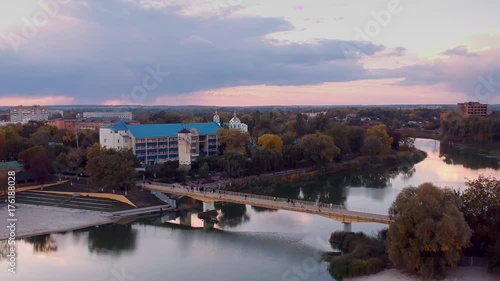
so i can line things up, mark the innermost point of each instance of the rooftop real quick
(10, 165)
(165, 130)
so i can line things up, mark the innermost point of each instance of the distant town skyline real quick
(249, 52)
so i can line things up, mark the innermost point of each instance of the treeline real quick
(326, 150)
(46, 150)
(472, 127)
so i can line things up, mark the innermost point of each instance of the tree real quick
(481, 208)
(42, 136)
(233, 164)
(110, 168)
(292, 154)
(232, 140)
(204, 170)
(301, 125)
(288, 138)
(372, 146)
(356, 138)
(39, 161)
(319, 149)
(266, 160)
(428, 230)
(271, 141)
(380, 131)
(340, 134)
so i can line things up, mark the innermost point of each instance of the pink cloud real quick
(376, 92)
(45, 100)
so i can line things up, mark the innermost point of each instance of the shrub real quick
(361, 255)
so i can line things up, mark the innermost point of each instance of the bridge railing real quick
(297, 202)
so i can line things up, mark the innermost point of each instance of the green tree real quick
(204, 170)
(357, 137)
(319, 149)
(481, 208)
(266, 160)
(234, 164)
(42, 136)
(340, 134)
(110, 168)
(372, 146)
(292, 154)
(428, 231)
(288, 138)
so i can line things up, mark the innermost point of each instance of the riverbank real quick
(38, 220)
(455, 274)
(266, 184)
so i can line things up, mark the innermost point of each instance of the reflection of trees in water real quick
(408, 172)
(4, 249)
(332, 188)
(233, 215)
(263, 210)
(455, 155)
(42, 243)
(112, 239)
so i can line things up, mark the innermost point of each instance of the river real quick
(249, 243)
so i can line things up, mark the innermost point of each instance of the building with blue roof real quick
(159, 143)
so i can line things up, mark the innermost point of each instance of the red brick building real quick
(472, 108)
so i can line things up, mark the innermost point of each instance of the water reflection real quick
(42, 243)
(4, 249)
(232, 215)
(263, 210)
(454, 154)
(112, 239)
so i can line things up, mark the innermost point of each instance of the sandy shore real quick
(455, 274)
(36, 220)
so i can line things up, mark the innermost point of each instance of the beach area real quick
(37, 220)
(455, 274)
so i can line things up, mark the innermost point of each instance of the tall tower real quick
(216, 118)
(184, 145)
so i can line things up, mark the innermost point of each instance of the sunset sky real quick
(249, 52)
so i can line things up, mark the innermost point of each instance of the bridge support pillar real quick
(208, 224)
(186, 219)
(208, 206)
(347, 227)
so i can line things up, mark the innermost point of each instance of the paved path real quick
(335, 212)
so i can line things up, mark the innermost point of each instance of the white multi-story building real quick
(108, 114)
(29, 113)
(159, 143)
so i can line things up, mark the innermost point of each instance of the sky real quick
(249, 52)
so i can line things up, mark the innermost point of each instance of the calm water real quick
(249, 244)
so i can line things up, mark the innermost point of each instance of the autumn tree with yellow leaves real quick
(380, 132)
(271, 141)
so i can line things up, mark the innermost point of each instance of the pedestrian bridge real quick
(334, 212)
